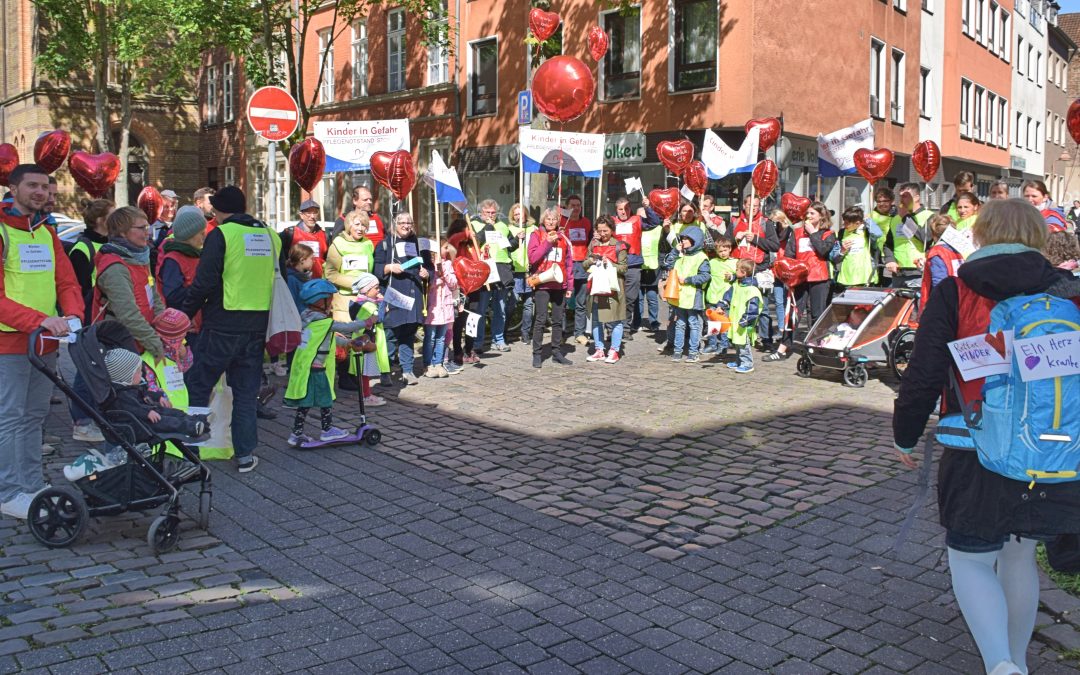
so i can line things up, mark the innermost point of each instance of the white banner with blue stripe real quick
(836, 151)
(544, 151)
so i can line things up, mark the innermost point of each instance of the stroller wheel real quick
(57, 516)
(855, 376)
(372, 437)
(164, 533)
(204, 510)
(900, 354)
(803, 367)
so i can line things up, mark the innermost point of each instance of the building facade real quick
(1057, 158)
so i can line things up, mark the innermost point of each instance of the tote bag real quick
(283, 328)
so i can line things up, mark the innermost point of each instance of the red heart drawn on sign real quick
(675, 155)
(997, 341)
(664, 202)
(543, 24)
(471, 274)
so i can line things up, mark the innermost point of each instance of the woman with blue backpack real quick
(1007, 477)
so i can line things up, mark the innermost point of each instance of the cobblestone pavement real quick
(642, 517)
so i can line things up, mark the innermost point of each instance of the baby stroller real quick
(862, 326)
(145, 481)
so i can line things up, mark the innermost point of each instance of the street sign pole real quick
(271, 178)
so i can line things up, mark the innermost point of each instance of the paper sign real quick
(687, 193)
(565, 212)
(633, 184)
(577, 234)
(961, 240)
(493, 275)
(406, 249)
(1041, 358)
(714, 328)
(353, 263)
(373, 226)
(983, 355)
(314, 245)
(497, 239)
(174, 379)
(257, 245)
(412, 262)
(426, 244)
(35, 258)
(472, 324)
(626, 228)
(907, 228)
(396, 298)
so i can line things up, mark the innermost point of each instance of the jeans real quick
(632, 290)
(684, 317)
(24, 404)
(581, 297)
(557, 299)
(780, 299)
(399, 340)
(649, 299)
(812, 299)
(496, 298)
(615, 328)
(78, 415)
(528, 309)
(434, 345)
(746, 356)
(238, 356)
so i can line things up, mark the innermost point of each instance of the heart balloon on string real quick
(765, 176)
(471, 274)
(307, 161)
(696, 178)
(1072, 120)
(402, 175)
(769, 129)
(94, 173)
(51, 149)
(664, 202)
(151, 203)
(794, 206)
(873, 165)
(9, 159)
(543, 24)
(598, 43)
(380, 167)
(927, 159)
(791, 271)
(563, 88)
(675, 155)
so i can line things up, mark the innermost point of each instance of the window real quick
(395, 44)
(227, 86)
(1029, 126)
(980, 10)
(230, 175)
(991, 27)
(900, 5)
(694, 41)
(1003, 36)
(213, 107)
(898, 90)
(1035, 142)
(1030, 66)
(622, 64)
(359, 59)
(484, 76)
(1037, 74)
(965, 16)
(326, 60)
(977, 118)
(1003, 123)
(965, 108)
(438, 57)
(1049, 126)
(928, 6)
(924, 92)
(991, 114)
(1021, 55)
(211, 178)
(877, 78)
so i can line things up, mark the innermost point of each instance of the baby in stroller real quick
(840, 336)
(131, 395)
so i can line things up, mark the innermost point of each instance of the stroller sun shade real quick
(88, 355)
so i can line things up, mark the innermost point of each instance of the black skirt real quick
(977, 502)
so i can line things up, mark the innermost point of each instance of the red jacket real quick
(25, 319)
(542, 255)
(758, 230)
(952, 261)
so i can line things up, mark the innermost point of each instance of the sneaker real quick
(296, 440)
(18, 506)
(374, 401)
(453, 368)
(775, 356)
(409, 379)
(743, 370)
(526, 339)
(677, 358)
(264, 412)
(665, 347)
(333, 434)
(472, 358)
(280, 369)
(581, 340)
(558, 357)
(247, 464)
(88, 433)
(733, 365)
(440, 371)
(501, 347)
(612, 357)
(1006, 668)
(598, 355)
(693, 358)
(710, 349)
(86, 464)
(431, 372)
(268, 368)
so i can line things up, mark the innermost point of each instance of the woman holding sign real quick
(404, 271)
(992, 522)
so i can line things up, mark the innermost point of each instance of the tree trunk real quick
(121, 192)
(101, 76)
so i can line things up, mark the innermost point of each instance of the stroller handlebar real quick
(31, 348)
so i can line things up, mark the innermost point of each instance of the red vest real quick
(804, 251)
(631, 235)
(606, 251)
(750, 252)
(187, 266)
(952, 261)
(314, 240)
(973, 318)
(141, 284)
(556, 256)
(579, 232)
(375, 232)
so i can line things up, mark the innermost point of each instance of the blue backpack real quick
(1027, 431)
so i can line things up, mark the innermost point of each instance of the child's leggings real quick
(325, 414)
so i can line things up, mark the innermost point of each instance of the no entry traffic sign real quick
(272, 113)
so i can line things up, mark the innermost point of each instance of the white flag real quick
(836, 151)
(444, 181)
(720, 160)
(633, 184)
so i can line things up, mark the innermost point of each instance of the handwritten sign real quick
(472, 324)
(1048, 356)
(983, 355)
(962, 241)
(396, 298)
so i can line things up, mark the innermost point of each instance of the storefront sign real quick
(1018, 163)
(349, 145)
(628, 148)
(572, 154)
(803, 153)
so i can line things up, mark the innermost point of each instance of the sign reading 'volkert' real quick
(349, 145)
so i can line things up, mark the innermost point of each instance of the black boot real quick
(538, 360)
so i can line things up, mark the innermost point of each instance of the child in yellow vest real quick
(311, 379)
(722, 273)
(742, 302)
(687, 260)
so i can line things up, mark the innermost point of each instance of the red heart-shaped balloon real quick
(675, 155)
(150, 202)
(664, 202)
(696, 177)
(51, 149)
(926, 158)
(402, 176)
(598, 43)
(769, 129)
(380, 167)
(794, 206)
(94, 173)
(563, 88)
(764, 177)
(1072, 119)
(471, 274)
(9, 159)
(873, 165)
(307, 161)
(543, 24)
(791, 271)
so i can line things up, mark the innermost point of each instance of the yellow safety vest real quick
(650, 247)
(29, 270)
(905, 249)
(248, 272)
(885, 224)
(357, 257)
(718, 286)
(741, 295)
(687, 266)
(520, 255)
(85, 246)
(967, 223)
(170, 379)
(301, 370)
(857, 267)
(499, 253)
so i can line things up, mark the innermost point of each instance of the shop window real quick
(395, 44)
(622, 64)
(484, 76)
(694, 42)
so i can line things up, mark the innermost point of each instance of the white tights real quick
(999, 607)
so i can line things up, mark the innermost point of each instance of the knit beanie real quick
(122, 364)
(189, 221)
(229, 199)
(363, 281)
